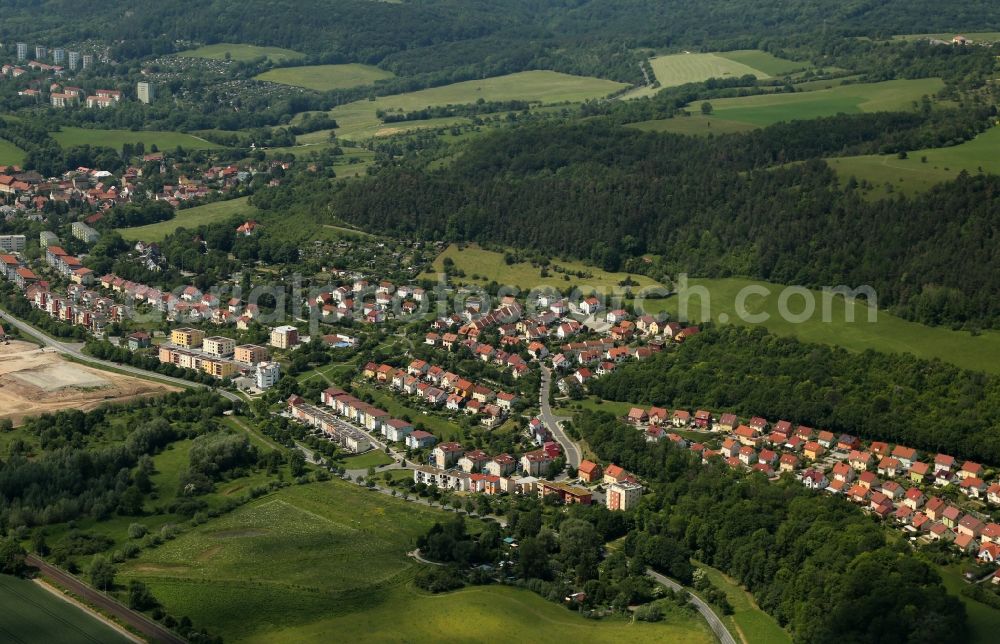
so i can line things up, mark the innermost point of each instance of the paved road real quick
(74, 351)
(571, 449)
(720, 630)
(153, 631)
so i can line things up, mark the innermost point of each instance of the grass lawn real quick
(10, 154)
(357, 120)
(889, 333)
(696, 124)
(753, 624)
(190, 218)
(373, 458)
(765, 109)
(984, 621)
(323, 78)
(32, 614)
(70, 136)
(441, 427)
(913, 174)
(241, 52)
(490, 265)
(326, 561)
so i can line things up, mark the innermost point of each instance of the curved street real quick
(551, 421)
(720, 630)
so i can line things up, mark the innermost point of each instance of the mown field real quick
(70, 136)
(190, 217)
(10, 154)
(327, 561)
(922, 169)
(888, 333)
(747, 619)
(490, 266)
(323, 78)
(241, 52)
(818, 99)
(357, 120)
(766, 109)
(32, 614)
(678, 69)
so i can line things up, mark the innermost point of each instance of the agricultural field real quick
(328, 561)
(752, 623)
(678, 69)
(323, 78)
(33, 614)
(70, 136)
(190, 217)
(490, 266)
(693, 125)
(922, 169)
(10, 154)
(238, 52)
(357, 120)
(765, 109)
(888, 333)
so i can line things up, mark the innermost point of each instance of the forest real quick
(823, 569)
(931, 406)
(476, 38)
(714, 207)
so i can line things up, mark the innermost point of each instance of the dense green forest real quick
(817, 564)
(931, 406)
(499, 35)
(704, 206)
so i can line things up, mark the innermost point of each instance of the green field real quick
(975, 36)
(765, 109)
(327, 562)
(913, 174)
(357, 120)
(10, 154)
(678, 69)
(749, 620)
(693, 125)
(889, 333)
(374, 458)
(70, 136)
(984, 622)
(189, 218)
(323, 78)
(241, 52)
(32, 614)
(490, 266)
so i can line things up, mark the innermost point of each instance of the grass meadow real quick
(189, 218)
(820, 98)
(357, 120)
(678, 69)
(326, 561)
(32, 614)
(10, 154)
(984, 621)
(70, 136)
(489, 265)
(752, 623)
(323, 78)
(922, 169)
(218, 51)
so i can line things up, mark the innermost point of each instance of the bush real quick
(439, 579)
(649, 613)
(137, 531)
